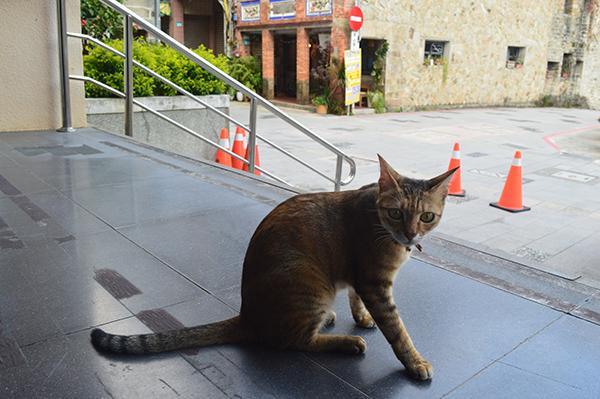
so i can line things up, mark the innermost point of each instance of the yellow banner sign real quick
(352, 62)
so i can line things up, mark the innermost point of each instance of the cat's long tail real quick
(222, 332)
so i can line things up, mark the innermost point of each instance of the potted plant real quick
(320, 103)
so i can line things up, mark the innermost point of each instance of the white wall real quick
(29, 69)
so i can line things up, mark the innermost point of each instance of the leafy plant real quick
(378, 72)
(377, 101)
(320, 100)
(100, 21)
(247, 70)
(336, 77)
(107, 68)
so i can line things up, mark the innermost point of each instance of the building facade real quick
(286, 35)
(441, 53)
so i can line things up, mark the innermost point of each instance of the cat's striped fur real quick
(302, 253)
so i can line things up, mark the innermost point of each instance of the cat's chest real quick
(395, 257)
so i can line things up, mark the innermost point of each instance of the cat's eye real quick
(395, 213)
(427, 217)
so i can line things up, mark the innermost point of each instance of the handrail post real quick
(338, 173)
(128, 78)
(252, 136)
(63, 59)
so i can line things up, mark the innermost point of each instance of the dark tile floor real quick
(97, 230)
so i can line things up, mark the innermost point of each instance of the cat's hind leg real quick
(361, 315)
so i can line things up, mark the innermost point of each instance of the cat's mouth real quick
(402, 240)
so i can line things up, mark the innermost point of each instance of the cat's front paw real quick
(420, 369)
(365, 321)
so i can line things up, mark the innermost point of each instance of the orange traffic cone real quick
(243, 132)
(222, 157)
(454, 188)
(256, 161)
(238, 148)
(512, 195)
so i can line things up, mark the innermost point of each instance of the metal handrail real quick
(193, 97)
(255, 99)
(172, 121)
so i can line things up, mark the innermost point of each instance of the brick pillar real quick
(240, 50)
(340, 31)
(268, 63)
(175, 31)
(302, 66)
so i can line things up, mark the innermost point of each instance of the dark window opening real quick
(552, 70)
(368, 49)
(567, 65)
(568, 6)
(515, 57)
(578, 70)
(435, 52)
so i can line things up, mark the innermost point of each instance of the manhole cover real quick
(578, 177)
(477, 154)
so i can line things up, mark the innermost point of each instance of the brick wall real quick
(268, 63)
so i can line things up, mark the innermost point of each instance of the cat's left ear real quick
(439, 184)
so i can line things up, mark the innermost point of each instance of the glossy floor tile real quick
(96, 230)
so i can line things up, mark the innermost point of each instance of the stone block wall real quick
(478, 35)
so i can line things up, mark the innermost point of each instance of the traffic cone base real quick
(523, 209)
(461, 193)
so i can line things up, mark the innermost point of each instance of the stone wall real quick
(478, 35)
(590, 78)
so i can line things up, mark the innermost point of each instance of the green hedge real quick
(107, 68)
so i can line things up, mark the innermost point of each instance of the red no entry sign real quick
(356, 18)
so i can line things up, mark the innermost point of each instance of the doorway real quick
(285, 66)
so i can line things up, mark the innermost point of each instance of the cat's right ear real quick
(388, 177)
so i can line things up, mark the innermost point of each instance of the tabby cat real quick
(306, 249)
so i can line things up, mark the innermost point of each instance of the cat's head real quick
(410, 208)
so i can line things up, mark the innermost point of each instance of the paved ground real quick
(96, 230)
(561, 170)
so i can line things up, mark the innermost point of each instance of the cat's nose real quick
(410, 236)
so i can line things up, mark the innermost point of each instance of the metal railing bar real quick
(159, 77)
(231, 82)
(192, 96)
(295, 158)
(128, 75)
(173, 122)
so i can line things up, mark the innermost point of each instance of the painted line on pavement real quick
(549, 139)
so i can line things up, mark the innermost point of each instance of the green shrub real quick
(247, 70)
(107, 68)
(377, 101)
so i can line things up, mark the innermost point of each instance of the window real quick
(552, 70)
(567, 66)
(568, 6)
(515, 57)
(435, 52)
(578, 70)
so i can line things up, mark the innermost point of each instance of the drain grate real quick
(477, 154)
(160, 320)
(116, 285)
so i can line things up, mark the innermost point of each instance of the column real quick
(176, 20)
(302, 66)
(268, 63)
